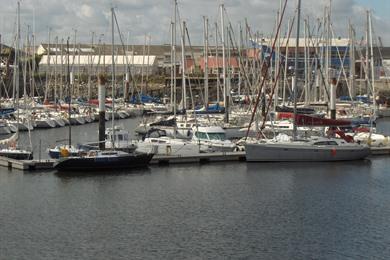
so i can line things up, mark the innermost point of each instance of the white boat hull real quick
(4, 129)
(265, 152)
(45, 123)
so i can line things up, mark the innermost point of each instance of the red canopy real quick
(309, 120)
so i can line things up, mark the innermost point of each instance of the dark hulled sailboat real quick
(100, 160)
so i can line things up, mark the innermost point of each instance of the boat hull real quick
(128, 161)
(4, 130)
(45, 123)
(293, 153)
(17, 155)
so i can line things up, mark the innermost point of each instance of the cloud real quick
(141, 17)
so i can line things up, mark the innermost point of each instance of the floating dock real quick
(27, 165)
(34, 165)
(380, 150)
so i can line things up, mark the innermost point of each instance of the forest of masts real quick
(267, 70)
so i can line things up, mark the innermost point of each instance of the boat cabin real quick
(118, 135)
(209, 133)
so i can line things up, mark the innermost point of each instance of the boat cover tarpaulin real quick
(309, 120)
(306, 120)
(136, 99)
(6, 111)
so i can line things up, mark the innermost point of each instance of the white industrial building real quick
(94, 60)
(84, 64)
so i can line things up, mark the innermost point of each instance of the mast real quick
(142, 67)
(352, 61)
(229, 68)
(306, 85)
(90, 67)
(48, 68)
(296, 70)
(55, 75)
(127, 73)
(68, 83)
(33, 60)
(217, 60)
(277, 62)
(172, 67)
(74, 54)
(225, 94)
(328, 49)
(113, 77)
(285, 68)
(206, 63)
(148, 61)
(33, 68)
(367, 53)
(183, 62)
(25, 68)
(240, 48)
(16, 70)
(372, 62)
(78, 70)
(174, 59)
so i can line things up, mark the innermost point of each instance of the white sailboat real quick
(10, 147)
(315, 149)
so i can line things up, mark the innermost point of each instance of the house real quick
(215, 65)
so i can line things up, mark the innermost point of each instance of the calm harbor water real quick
(212, 211)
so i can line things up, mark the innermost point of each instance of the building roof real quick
(3, 48)
(84, 60)
(384, 52)
(340, 42)
(155, 50)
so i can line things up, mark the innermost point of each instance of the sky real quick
(138, 18)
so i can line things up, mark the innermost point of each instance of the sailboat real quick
(11, 150)
(98, 160)
(314, 149)
(10, 146)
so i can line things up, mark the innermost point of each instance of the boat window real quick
(216, 136)
(201, 135)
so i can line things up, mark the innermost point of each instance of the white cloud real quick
(140, 17)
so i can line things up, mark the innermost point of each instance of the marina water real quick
(212, 211)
